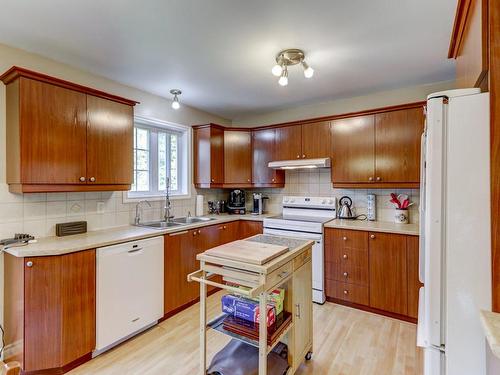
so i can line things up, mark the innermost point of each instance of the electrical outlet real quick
(100, 207)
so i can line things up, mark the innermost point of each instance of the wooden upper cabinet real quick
(54, 122)
(60, 135)
(289, 142)
(264, 151)
(110, 130)
(316, 140)
(397, 145)
(353, 148)
(237, 157)
(208, 150)
(388, 272)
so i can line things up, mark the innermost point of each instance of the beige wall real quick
(38, 213)
(339, 106)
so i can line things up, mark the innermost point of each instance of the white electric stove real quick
(303, 218)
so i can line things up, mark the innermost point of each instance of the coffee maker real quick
(258, 204)
(236, 202)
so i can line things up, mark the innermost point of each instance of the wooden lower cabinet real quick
(181, 249)
(376, 270)
(53, 315)
(250, 228)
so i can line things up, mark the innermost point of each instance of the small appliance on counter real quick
(258, 204)
(346, 210)
(236, 203)
(371, 208)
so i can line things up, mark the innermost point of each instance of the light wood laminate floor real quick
(346, 342)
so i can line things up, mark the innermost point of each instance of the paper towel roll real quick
(199, 205)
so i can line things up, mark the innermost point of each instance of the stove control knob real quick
(323, 201)
(285, 200)
(292, 200)
(330, 201)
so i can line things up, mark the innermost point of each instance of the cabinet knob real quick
(273, 180)
(82, 179)
(346, 274)
(199, 231)
(194, 233)
(298, 156)
(303, 155)
(372, 236)
(224, 227)
(370, 178)
(346, 292)
(213, 180)
(29, 264)
(248, 180)
(379, 179)
(344, 238)
(344, 256)
(92, 179)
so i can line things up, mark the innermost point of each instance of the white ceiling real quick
(220, 52)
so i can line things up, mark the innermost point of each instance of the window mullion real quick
(153, 161)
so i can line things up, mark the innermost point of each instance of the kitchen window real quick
(160, 155)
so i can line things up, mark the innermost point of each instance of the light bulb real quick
(308, 71)
(277, 70)
(283, 81)
(175, 103)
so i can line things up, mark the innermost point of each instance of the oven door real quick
(318, 280)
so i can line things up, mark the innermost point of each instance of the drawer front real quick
(347, 292)
(302, 259)
(350, 239)
(278, 275)
(348, 273)
(353, 258)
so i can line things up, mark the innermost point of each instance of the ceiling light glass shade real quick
(175, 103)
(283, 81)
(308, 71)
(277, 70)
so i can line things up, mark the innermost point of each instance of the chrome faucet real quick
(167, 215)
(137, 219)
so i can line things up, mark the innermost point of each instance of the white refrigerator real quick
(455, 243)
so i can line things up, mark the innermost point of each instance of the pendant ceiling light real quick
(175, 101)
(289, 57)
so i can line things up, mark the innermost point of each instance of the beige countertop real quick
(105, 237)
(491, 326)
(375, 226)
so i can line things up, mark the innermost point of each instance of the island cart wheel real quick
(309, 356)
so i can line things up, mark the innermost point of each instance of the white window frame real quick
(184, 161)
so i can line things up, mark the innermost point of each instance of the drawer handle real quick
(346, 274)
(372, 236)
(135, 320)
(283, 274)
(344, 256)
(346, 292)
(344, 238)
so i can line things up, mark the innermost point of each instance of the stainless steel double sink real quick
(180, 221)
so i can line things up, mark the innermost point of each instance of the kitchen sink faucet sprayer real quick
(137, 218)
(167, 215)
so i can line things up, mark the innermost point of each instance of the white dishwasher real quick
(129, 290)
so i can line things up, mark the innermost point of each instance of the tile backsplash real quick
(38, 214)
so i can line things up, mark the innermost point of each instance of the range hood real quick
(300, 164)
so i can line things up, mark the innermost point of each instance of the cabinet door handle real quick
(372, 236)
(298, 310)
(248, 180)
(82, 179)
(379, 179)
(92, 179)
(346, 274)
(298, 156)
(344, 256)
(213, 179)
(346, 292)
(272, 180)
(370, 178)
(303, 156)
(344, 238)
(194, 233)
(199, 231)
(29, 264)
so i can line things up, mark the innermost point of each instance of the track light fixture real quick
(175, 101)
(289, 57)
